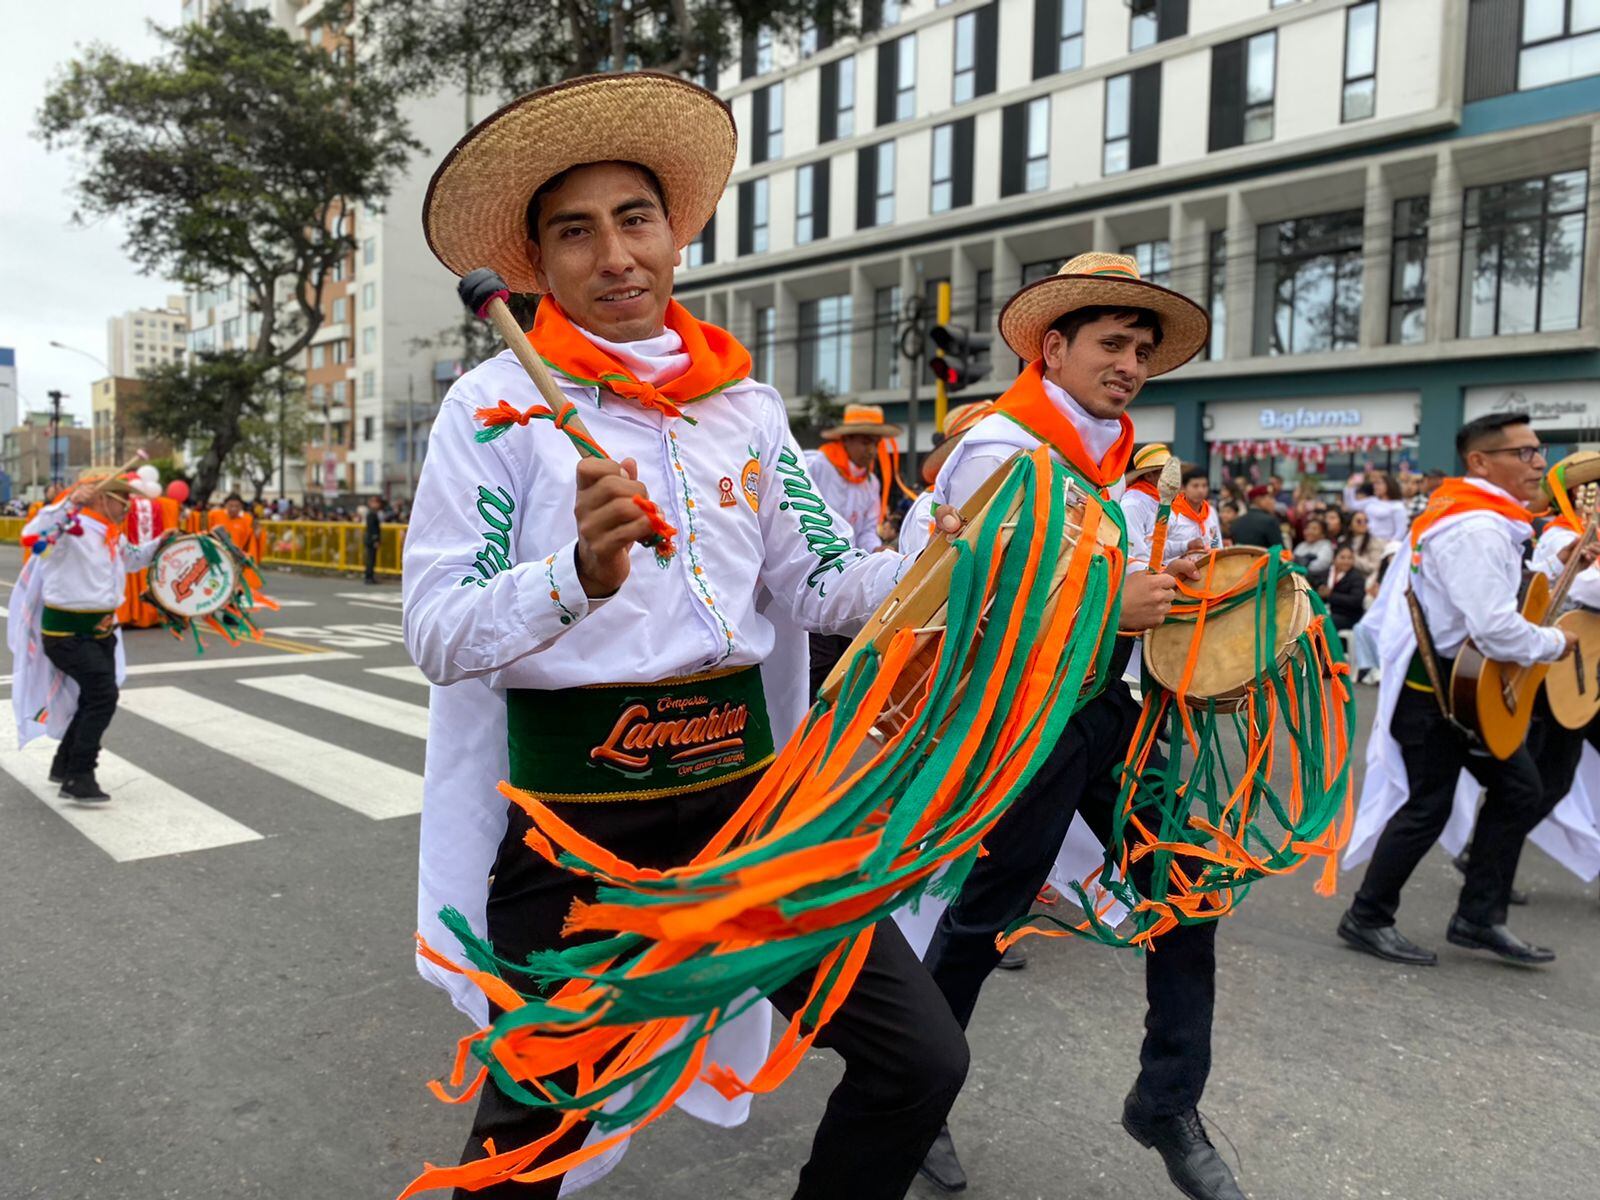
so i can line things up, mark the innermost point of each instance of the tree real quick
(236, 155)
(506, 47)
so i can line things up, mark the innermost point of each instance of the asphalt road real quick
(212, 994)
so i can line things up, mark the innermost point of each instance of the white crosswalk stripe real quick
(388, 599)
(146, 818)
(358, 782)
(408, 674)
(348, 701)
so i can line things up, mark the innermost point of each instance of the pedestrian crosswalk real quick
(150, 816)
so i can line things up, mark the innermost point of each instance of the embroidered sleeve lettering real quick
(800, 495)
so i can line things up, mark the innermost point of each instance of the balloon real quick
(150, 473)
(178, 490)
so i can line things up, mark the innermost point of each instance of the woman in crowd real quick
(1345, 590)
(1367, 546)
(1379, 498)
(1314, 551)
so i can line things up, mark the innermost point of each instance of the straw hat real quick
(121, 485)
(1104, 279)
(956, 422)
(1147, 460)
(866, 419)
(475, 212)
(1574, 470)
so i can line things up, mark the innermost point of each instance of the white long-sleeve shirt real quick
(1386, 519)
(1468, 584)
(1547, 559)
(490, 575)
(916, 531)
(85, 571)
(858, 503)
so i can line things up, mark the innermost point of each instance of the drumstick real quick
(69, 512)
(485, 294)
(1167, 489)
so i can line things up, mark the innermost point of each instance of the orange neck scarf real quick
(1144, 484)
(1027, 403)
(1199, 516)
(716, 359)
(888, 469)
(1455, 496)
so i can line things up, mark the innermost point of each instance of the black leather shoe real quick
(83, 788)
(941, 1167)
(58, 774)
(1193, 1164)
(1517, 896)
(1386, 942)
(1014, 959)
(1497, 939)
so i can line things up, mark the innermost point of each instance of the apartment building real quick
(116, 427)
(146, 337)
(1389, 207)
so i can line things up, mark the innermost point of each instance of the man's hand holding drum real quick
(1148, 596)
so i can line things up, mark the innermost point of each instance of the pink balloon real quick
(178, 490)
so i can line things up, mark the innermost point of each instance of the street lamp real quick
(55, 429)
(85, 353)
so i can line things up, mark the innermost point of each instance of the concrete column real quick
(963, 288)
(1103, 239)
(1377, 246)
(786, 352)
(1239, 291)
(1187, 237)
(1439, 419)
(863, 318)
(1007, 275)
(1444, 251)
(1188, 433)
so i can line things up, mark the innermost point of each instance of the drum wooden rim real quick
(163, 590)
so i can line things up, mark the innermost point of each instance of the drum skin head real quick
(186, 582)
(1226, 665)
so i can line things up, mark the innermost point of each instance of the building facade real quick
(147, 337)
(115, 429)
(31, 458)
(1389, 207)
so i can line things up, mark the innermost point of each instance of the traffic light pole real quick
(56, 472)
(914, 346)
(941, 396)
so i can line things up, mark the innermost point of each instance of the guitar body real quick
(1493, 699)
(1572, 687)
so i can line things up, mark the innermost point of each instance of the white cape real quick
(43, 700)
(1569, 834)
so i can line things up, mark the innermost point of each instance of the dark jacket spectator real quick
(1258, 525)
(1345, 592)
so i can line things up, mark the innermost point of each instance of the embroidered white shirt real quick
(84, 572)
(490, 576)
(1547, 558)
(858, 503)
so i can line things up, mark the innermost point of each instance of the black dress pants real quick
(1079, 776)
(905, 1057)
(90, 662)
(1435, 753)
(371, 556)
(826, 650)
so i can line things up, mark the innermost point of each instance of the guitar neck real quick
(1558, 594)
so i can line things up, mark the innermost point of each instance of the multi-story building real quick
(31, 458)
(146, 337)
(1389, 207)
(116, 430)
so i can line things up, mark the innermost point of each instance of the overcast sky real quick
(60, 281)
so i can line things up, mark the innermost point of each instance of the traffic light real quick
(963, 357)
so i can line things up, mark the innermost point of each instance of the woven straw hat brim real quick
(934, 459)
(834, 433)
(1028, 315)
(1580, 468)
(475, 212)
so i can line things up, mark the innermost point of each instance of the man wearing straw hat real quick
(63, 623)
(1092, 335)
(527, 596)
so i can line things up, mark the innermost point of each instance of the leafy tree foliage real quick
(235, 154)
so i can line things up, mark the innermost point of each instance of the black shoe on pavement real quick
(941, 1167)
(1014, 959)
(1497, 939)
(1193, 1164)
(83, 788)
(1517, 896)
(58, 773)
(1386, 942)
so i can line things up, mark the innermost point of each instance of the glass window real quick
(884, 212)
(1408, 272)
(341, 310)
(775, 120)
(885, 345)
(825, 344)
(808, 40)
(965, 84)
(1308, 287)
(369, 296)
(1522, 256)
(804, 191)
(1216, 292)
(1360, 61)
(942, 198)
(1119, 97)
(319, 356)
(369, 251)
(1036, 175)
(1261, 70)
(1560, 41)
(1143, 29)
(369, 384)
(764, 41)
(766, 344)
(694, 254)
(1154, 260)
(339, 351)
(758, 218)
(369, 340)
(905, 96)
(846, 124)
(1069, 56)
(983, 309)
